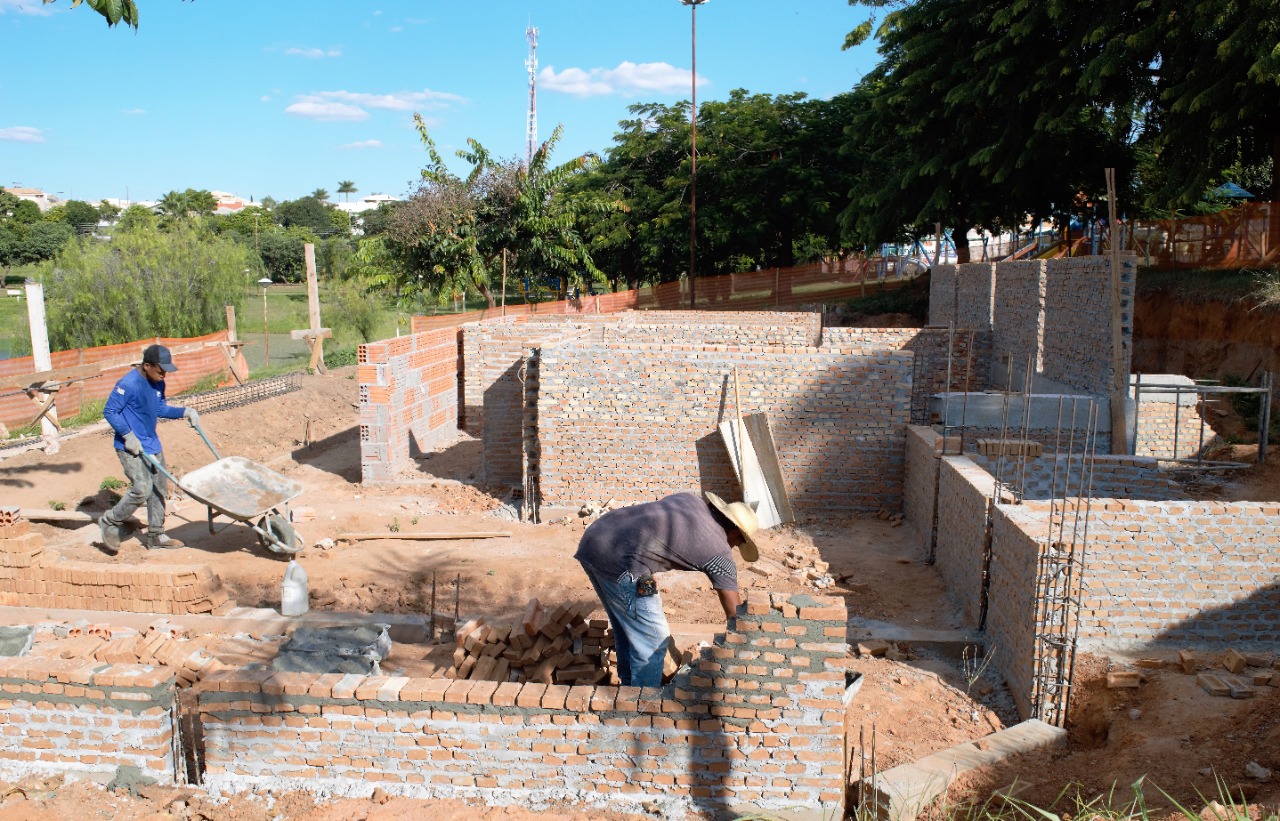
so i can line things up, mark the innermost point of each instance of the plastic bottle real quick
(294, 598)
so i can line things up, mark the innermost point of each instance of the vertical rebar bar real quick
(433, 607)
(964, 405)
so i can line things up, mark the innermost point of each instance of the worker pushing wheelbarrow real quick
(243, 491)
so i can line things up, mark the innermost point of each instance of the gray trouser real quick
(148, 485)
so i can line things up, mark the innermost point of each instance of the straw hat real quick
(743, 518)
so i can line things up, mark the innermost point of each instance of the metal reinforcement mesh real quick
(238, 395)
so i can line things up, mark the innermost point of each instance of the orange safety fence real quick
(774, 289)
(196, 358)
(1241, 237)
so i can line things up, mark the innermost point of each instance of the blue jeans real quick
(640, 632)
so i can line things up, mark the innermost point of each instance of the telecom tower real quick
(531, 64)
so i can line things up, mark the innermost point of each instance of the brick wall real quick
(1016, 544)
(942, 295)
(408, 386)
(1051, 439)
(924, 449)
(756, 723)
(1180, 573)
(193, 365)
(69, 716)
(717, 328)
(637, 422)
(1053, 476)
(30, 577)
(975, 295)
(1077, 321)
(1168, 430)
(964, 491)
(935, 349)
(1018, 319)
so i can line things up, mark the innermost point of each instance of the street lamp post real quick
(693, 154)
(265, 283)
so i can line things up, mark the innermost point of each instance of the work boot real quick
(159, 541)
(110, 535)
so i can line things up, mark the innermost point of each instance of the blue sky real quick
(279, 97)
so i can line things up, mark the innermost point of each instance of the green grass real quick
(912, 298)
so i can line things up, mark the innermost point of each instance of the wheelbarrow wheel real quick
(278, 535)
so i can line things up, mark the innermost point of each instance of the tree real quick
(307, 212)
(107, 212)
(348, 188)
(281, 253)
(114, 11)
(136, 218)
(320, 194)
(78, 214)
(269, 202)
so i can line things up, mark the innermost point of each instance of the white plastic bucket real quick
(294, 598)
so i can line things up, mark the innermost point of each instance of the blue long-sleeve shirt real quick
(136, 404)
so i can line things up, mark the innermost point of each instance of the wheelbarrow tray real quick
(239, 488)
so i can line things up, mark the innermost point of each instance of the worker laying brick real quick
(134, 407)
(622, 550)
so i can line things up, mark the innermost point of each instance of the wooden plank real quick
(760, 434)
(308, 333)
(424, 537)
(755, 491)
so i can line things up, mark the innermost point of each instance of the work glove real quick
(131, 444)
(193, 416)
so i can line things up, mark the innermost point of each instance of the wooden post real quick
(42, 360)
(231, 324)
(315, 340)
(1119, 377)
(504, 281)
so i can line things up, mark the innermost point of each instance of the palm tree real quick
(347, 187)
(320, 194)
(174, 206)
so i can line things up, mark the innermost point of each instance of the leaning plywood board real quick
(755, 490)
(760, 434)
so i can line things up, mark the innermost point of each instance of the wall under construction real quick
(408, 388)
(755, 725)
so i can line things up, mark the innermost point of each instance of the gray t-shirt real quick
(676, 533)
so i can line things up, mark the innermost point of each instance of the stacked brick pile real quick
(161, 644)
(559, 646)
(30, 577)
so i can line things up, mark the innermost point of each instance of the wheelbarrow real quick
(243, 491)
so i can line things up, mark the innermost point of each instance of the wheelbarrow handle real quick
(196, 424)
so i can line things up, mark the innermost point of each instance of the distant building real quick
(42, 200)
(365, 203)
(228, 203)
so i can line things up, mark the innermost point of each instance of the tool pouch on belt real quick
(646, 585)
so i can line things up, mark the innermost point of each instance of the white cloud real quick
(353, 105)
(265, 98)
(313, 53)
(133, 111)
(327, 111)
(364, 144)
(33, 7)
(627, 78)
(396, 29)
(21, 133)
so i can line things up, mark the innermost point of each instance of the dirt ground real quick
(914, 704)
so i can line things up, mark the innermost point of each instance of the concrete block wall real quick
(975, 295)
(942, 295)
(756, 724)
(1077, 321)
(87, 718)
(638, 422)
(30, 577)
(934, 349)
(964, 494)
(1018, 320)
(408, 387)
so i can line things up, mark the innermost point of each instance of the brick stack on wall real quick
(30, 576)
(86, 718)
(793, 329)
(408, 387)
(637, 422)
(193, 365)
(755, 725)
(1077, 321)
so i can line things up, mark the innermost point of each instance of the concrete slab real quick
(14, 641)
(902, 793)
